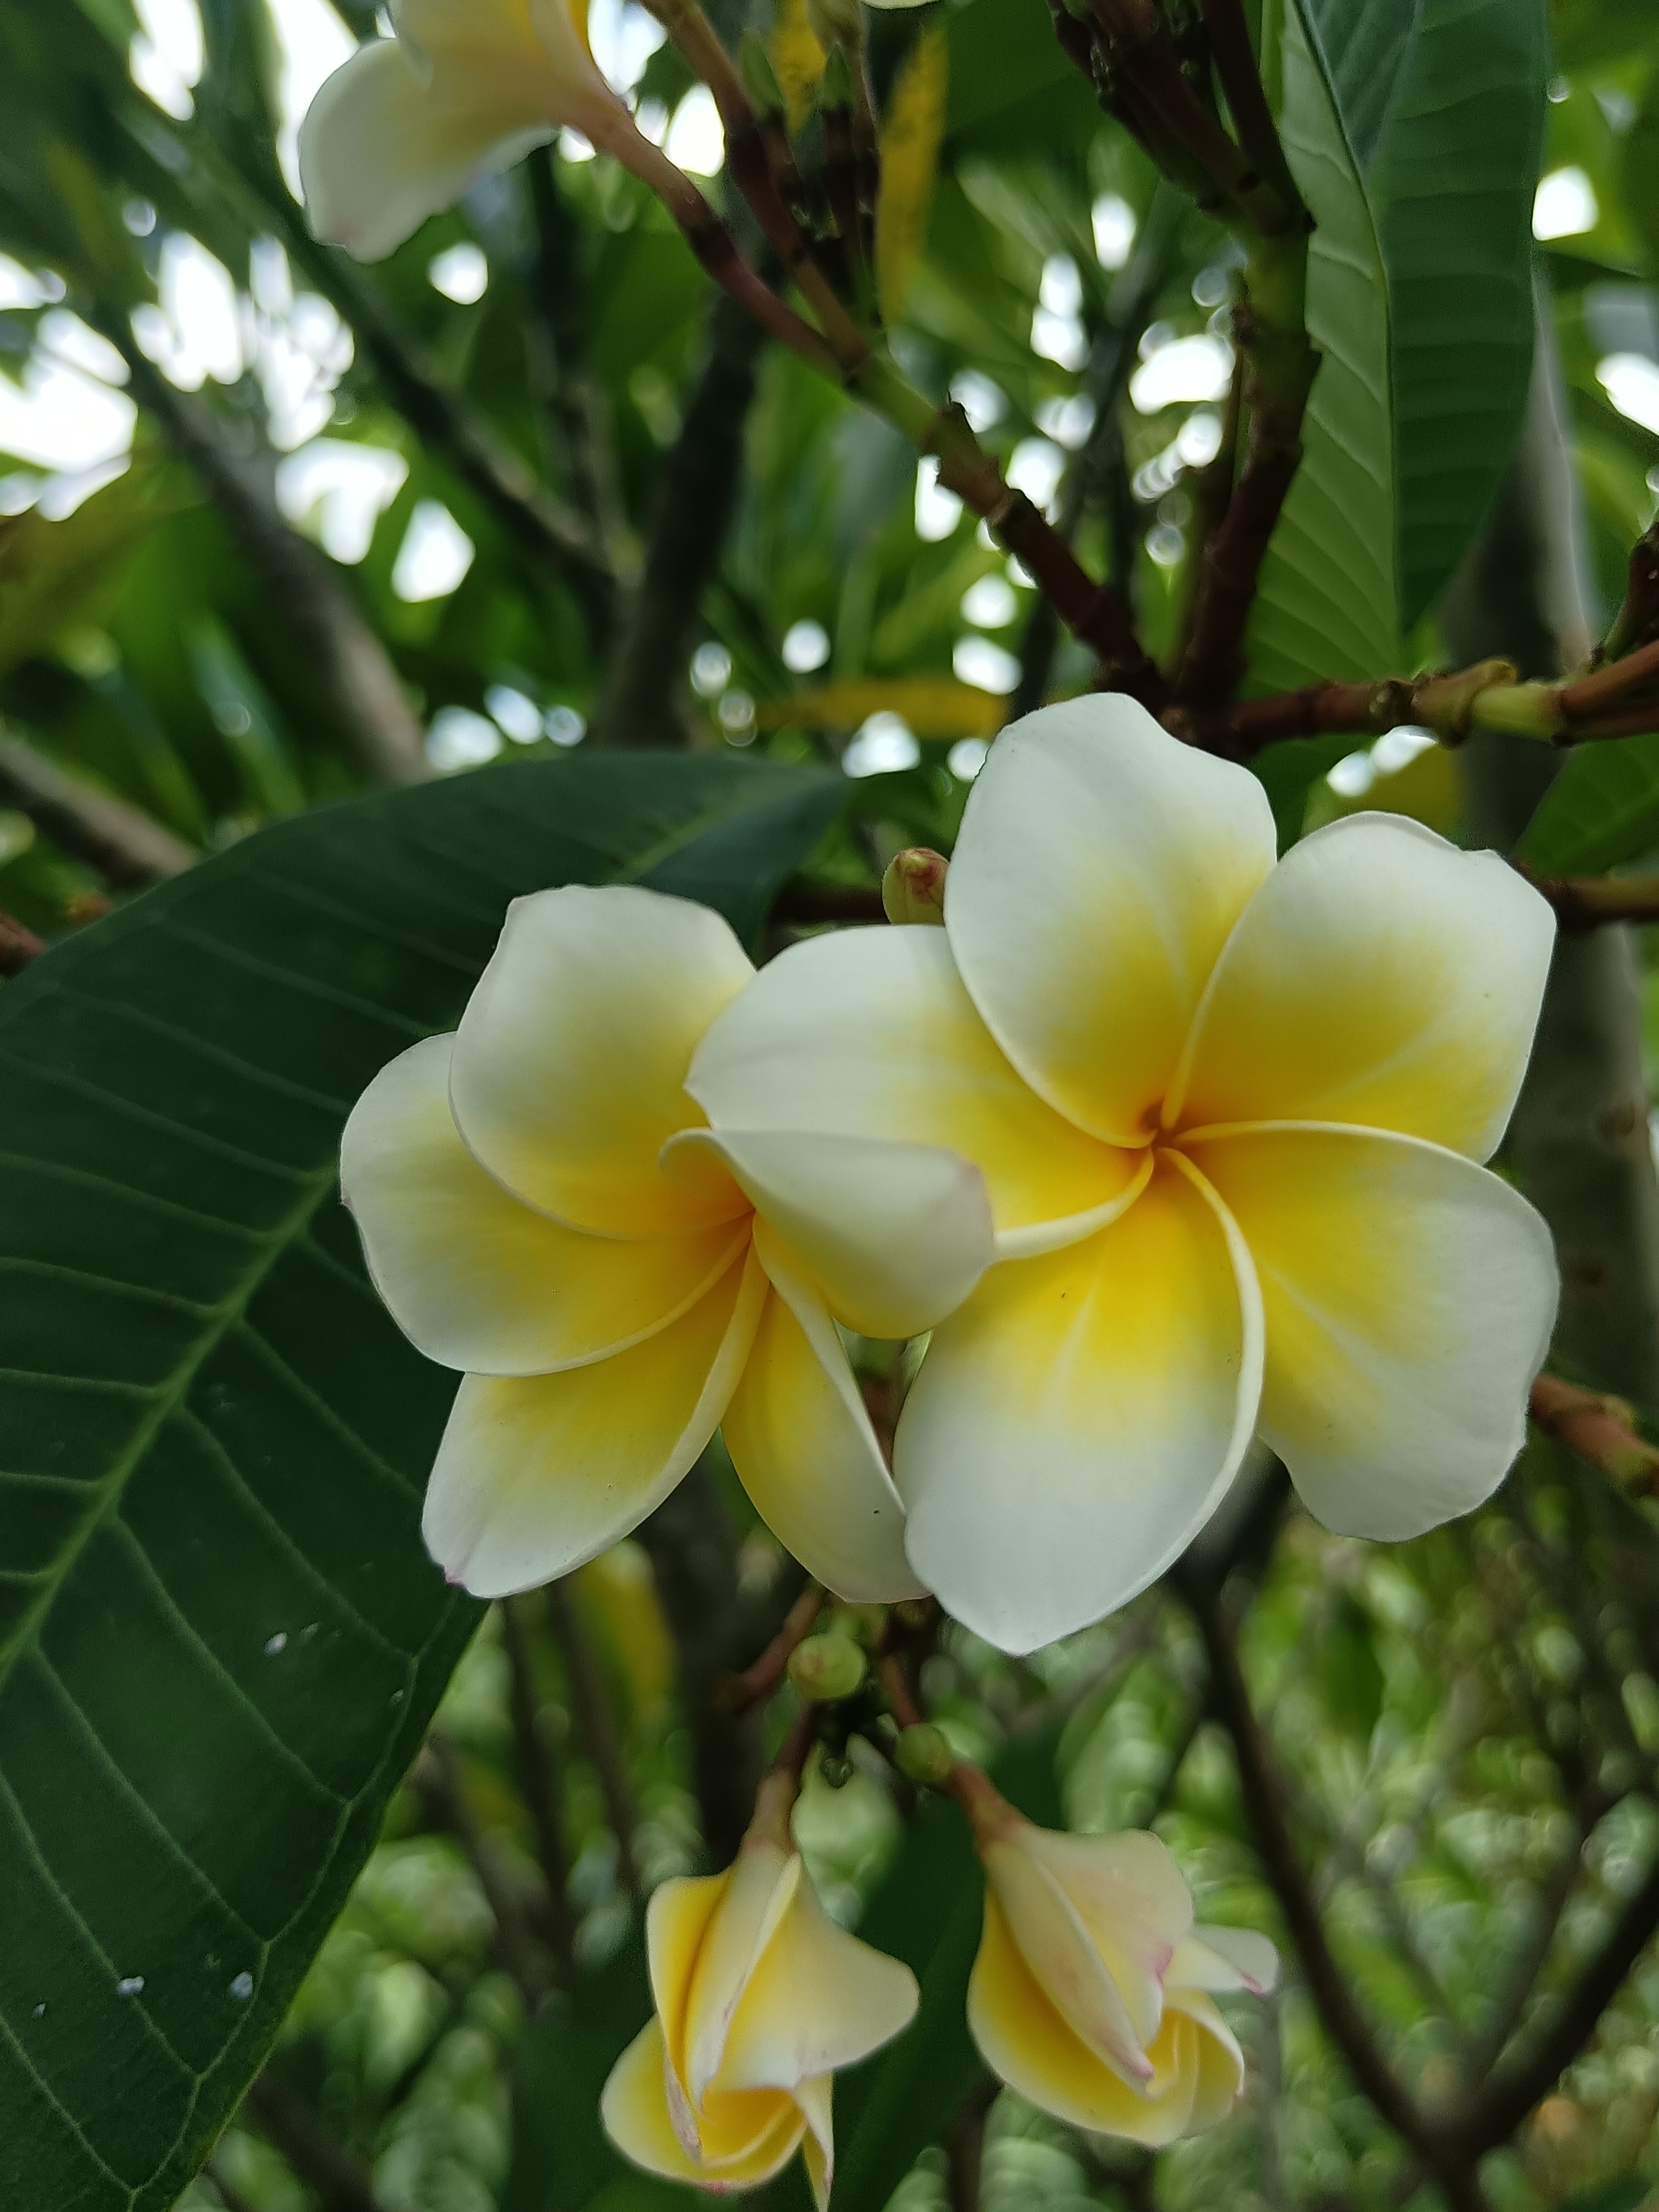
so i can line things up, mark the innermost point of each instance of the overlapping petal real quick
(766, 2129)
(1078, 1420)
(895, 1234)
(1379, 977)
(537, 1474)
(401, 130)
(801, 1442)
(1101, 867)
(1409, 1296)
(477, 1280)
(869, 1033)
(571, 1057)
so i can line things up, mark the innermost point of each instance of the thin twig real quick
(302, 592)
(19, 945)
(338, 2178)
(1598, 1428)
(542, 1784)
(126, 847)
(596, 1726)
(735, 1694)
(437, 1779)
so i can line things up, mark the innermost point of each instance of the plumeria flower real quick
(406, 126)
(760, 1997)
(543, 1208)
(1092, 1994)
(1229, 1112)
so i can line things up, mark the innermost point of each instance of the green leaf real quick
(1012, 89)
(1454, 185)
(1328, 603)
(220, 1637)
(1601, 809)
(1624, 2195)
(1413, 132)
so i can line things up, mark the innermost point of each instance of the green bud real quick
(912, 889)
(837, 1771)
(759, 78)
(924, 1753)
(826, 1666)
(835, 85)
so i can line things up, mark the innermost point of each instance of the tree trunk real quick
(1579, 1139)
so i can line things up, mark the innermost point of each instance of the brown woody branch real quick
(437, 1780)
(1637, 621)
(1582, 902)
(1598, 1428)
(541, 1783)
(126, 847)
(735, 1694)
(596, 1727)
(336, 2176)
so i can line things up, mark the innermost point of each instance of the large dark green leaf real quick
(1413, 128)
(220, 1637)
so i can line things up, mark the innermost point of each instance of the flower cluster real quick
(1159, 1143)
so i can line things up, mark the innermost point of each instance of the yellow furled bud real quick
(1091, 1995)
(760, 1997)
(826, 1666)
(912, 889)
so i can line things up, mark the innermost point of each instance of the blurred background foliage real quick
(276, 528)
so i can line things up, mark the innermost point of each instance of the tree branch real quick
(542, 1784)
(596, 1726)
(128, 849)
(437, 1779)
(1598, 1428)
(694, 1552)
(697, 496)
(304, 592)
(336, 2176)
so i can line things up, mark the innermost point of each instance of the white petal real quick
(1225, 1958)
(897, 1235)
(869, 1033)
(571, 1057)
(1063, 1959)
(1132, 1899)
(1075, 1425)
(801, 1442)
(1409, 1298)
(381, 151)
(479, 1281)
(1100, 868)
(760, 1889)
(1379, 977)
(537, 1474)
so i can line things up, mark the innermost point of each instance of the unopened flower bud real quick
(923, 1752)
(760, 79)
(836, 1769)
(912, 889)
(826, 1666)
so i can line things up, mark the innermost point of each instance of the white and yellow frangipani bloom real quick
(759, 1998)
(543, 1208)
(1093, 1991)
(407, 125)
(1230, 1111)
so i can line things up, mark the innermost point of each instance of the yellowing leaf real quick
(934, 706)
(797, 58)
(619, 1593)
(911, 134)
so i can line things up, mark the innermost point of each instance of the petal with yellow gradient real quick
(760, 1890)
(1077, 1422)
(387, 142)
(677, 1925)
(1101, 867)
(1133, 1903)
(801, 1442)
(869, 1033)
(537, 1474)
(1380, 976)
(475, 1279)
(633, 2108)
(896, 1235)
(1063, 1961)
(819, 1999)
(1025, 2042)
(1409, 1297)
(1206, 2062)
(570, 1060)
